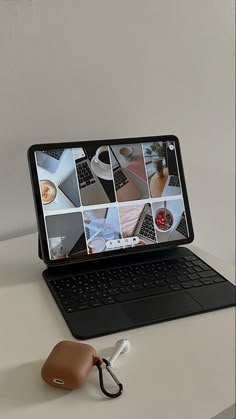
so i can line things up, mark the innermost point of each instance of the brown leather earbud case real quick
(68, 364)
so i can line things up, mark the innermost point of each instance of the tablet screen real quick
(109, 198)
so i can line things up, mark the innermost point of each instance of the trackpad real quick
(161, 307)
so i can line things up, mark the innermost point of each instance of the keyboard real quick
(174, 181)
(147, 228)
(85, 176)
(182, 227)
(120, 179)
(56, 154)
(93, 289)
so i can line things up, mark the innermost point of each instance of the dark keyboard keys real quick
(193, 276)
(186, 285)
(120, 179)
(56, 154)
(182, 278)
(207, 281)
(108, 300)
(82, 306)
(218, 279)
(174, 181)
(147, 228)
(207, 274)
(84, 174)
(70, 310)
(197, 269)
(182, 227)
(93, 289)
(191, 258)
(201, 265)
(176, 287)
(196, 284)
(171, 280)
(95, 303)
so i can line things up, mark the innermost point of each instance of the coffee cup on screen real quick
(96, 245)
(126, 153)
(102, 158)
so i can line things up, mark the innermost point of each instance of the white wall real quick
(81, 69)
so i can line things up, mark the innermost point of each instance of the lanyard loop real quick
(109, 370)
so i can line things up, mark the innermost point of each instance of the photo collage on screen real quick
(102, 198)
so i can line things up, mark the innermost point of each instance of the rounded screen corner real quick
(31, 149)
(174, 138)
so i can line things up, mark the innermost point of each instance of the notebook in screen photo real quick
(69, 187)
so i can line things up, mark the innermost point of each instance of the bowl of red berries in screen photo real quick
(163, 220)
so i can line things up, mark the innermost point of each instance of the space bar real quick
(140, 294)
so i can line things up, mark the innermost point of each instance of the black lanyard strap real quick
(109, 370)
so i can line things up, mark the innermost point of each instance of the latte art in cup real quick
(48, 191)
(96, 245)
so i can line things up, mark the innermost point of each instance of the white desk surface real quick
(183, 369)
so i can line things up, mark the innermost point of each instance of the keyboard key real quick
(161, 283)
(207, 274)
(196, 284)
(82, 306)
(136, 280)
(115, 284)
(149, 285)
(70, 309)
(176, 287)
(182, 271)
(187, 284)
(197, 269)
(113, 291)
(137, 287)
(108, 300)
(189, 264)
(190, 270)
(218, 279)
(207, 281)
(101, 294)
(95, 303)
(182, 278)
(65, 303)
(127, 281)
(190, 258)
(124, 290)
(171, 280)
(193, 276)
(202, 265)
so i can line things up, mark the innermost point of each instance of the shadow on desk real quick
(22, 385)
(20, 272)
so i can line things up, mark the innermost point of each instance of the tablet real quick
(107, 198)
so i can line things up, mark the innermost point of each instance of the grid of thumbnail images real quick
(102, 198)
